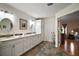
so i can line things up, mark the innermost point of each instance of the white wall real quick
(18, 14)
(49, 28)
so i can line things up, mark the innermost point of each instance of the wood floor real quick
(71, 47)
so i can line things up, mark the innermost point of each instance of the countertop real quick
(15, 37)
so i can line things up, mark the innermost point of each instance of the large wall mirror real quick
(6, 25)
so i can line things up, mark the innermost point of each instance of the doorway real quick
(68, 27)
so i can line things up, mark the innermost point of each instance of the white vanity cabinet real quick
(6, 51)
(40, 38)
(18, 46)
(37, 39)
(11, 48)
(26, 44)
(6, 48)
(30, 42)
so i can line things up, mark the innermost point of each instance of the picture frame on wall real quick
(23, 24)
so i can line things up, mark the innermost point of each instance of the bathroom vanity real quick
(17, 45)
(12, 44)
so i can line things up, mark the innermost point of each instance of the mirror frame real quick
(1, 26)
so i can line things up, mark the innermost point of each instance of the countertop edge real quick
(16, 37)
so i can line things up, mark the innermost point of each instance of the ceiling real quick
(39, 10)
(70, 17)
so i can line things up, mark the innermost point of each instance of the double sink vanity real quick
(16, 44)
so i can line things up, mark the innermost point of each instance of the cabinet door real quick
(29, 42)
(26, 44)
(18, 47)
(40, 38)
(6, 51)
(34, 40)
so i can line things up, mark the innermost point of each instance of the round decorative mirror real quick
(6, 25)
